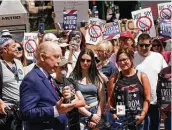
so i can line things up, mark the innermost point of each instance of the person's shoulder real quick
(136, 54)
(31, 74)
(103, 77)
(28, 68)
(166, 70)
(156, 54)
(18, 61)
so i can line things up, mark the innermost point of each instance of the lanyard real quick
(14, 71)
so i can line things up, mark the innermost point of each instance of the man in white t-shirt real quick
(150, 63)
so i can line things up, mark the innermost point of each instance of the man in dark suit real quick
(41, 103)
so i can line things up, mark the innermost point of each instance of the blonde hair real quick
(105, 44)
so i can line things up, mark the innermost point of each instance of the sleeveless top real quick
(89, 92)
(135, 95)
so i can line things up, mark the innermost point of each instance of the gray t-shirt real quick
(89, 92)
(11, 82)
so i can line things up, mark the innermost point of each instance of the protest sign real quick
(93, 34)
(128, 25)
(95, 30)
(70, 20)
(165, 11)
(112, 31)
(165, 29)
(143, 20)
(30, 45)
(80, 6)
(97, 21)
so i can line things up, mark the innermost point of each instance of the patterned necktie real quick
(55, 86)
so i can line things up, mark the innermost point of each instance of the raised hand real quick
(64, 108)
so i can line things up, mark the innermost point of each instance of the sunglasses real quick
(156, 45)
(87, 60)
(19, 48)
(144, 45)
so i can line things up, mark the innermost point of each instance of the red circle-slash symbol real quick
(144, 23)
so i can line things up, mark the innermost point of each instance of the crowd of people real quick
(71, 87)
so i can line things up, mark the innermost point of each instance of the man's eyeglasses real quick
(144, 45)
(87, 60)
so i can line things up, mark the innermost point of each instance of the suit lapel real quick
(50, 87)
(47, 83)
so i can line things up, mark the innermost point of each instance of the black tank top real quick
(135, 92)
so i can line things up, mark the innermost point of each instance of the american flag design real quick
(70, 12)
(133, 96)
(70, 19)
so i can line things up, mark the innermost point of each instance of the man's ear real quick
(42, 57)
(5, 49)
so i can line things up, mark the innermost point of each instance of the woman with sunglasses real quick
(131, 89)
(90, 84)
(20, 53)
(158, 47)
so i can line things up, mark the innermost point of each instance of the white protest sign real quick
(143, 20)
(165, 11)
(30, 45)
(93, 34)
(97, 21)
(80, 6)
(95, 31)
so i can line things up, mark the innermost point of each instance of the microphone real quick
(126, 97)
(64, 73)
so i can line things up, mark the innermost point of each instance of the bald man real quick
(41, 103)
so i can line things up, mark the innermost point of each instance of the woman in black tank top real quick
(130, 89)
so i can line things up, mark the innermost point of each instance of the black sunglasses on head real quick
(144, 45)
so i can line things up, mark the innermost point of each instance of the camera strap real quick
(12, 69)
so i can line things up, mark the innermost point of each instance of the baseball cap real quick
(126, 34)
(6, 33)
(50, 37)
(63, 62)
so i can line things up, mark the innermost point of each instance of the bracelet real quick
(90, 117)
(112, 110)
